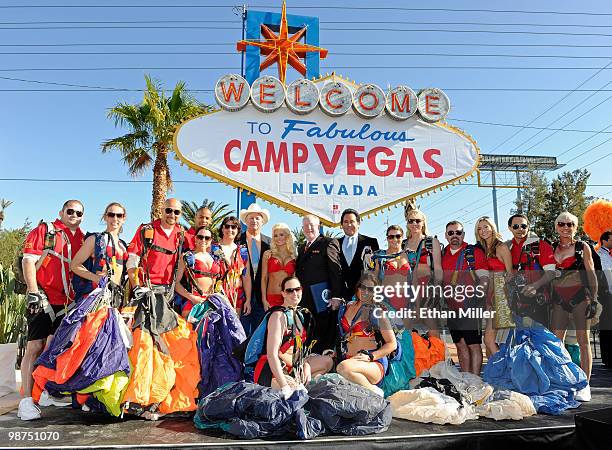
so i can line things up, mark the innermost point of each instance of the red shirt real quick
(49, 276)
(450, 261)
(190, 239)
(546, 258)
(159, 265)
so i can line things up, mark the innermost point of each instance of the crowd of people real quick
(324, 305)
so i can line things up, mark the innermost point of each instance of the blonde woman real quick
(574, 291)
(499, 264)
(425, 260)
(277, 264)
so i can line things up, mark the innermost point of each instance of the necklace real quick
(564, 246)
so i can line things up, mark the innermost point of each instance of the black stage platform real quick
(85, 430)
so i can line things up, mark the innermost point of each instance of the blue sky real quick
(58, 134)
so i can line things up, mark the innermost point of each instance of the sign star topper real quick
(281, 48)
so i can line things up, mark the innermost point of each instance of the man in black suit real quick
(319, 272)
(353, 248)
(256, 243)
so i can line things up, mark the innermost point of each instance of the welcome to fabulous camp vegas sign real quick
(328, 144)
(320, 146)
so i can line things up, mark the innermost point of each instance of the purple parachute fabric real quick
(219, 332)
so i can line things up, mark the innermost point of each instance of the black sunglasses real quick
(202, 237)
(516, 226)
(414, 220)
(291, 290)
(565, 224)
(454, 233)
(177, 212)
(367, 289)
(394, 236)
(228, 226)
(72, 212)
(112, 215)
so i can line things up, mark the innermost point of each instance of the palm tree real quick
(3, 205)
(151, 127)
(219, 212)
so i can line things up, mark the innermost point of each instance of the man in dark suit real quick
(256, 243)
(319, 272)
(353, 248)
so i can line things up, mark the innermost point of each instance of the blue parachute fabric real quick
(401, 369)
(83, 286)
(106, 356)
(534, 362)
(347, 408)
(250, 411)
(71, 324)
(219, 332)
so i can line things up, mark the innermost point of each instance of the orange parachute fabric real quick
(597, 218)
(427, 352)
(166, 377)
(69, 361)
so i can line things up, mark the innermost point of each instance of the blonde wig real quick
(289, 243)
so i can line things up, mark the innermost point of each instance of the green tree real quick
(11, 242)
(566, 193)
(533, 201)
(151, 126)
(3, 205)
(219, 212)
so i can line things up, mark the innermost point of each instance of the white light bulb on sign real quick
(302, 96)
(232, 92)
(402, 103)
(434, 105)
(335, 98)
(267, 93)
(369, 101)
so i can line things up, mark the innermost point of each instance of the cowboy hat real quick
(254, 208)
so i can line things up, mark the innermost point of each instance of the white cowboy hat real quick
(255, 208)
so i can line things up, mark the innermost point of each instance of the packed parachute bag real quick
(428, 350)
(534, 362)
(347, 408)
(87, 356)
(219, 331)
(401, 368)
(249, 411)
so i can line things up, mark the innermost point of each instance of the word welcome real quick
(335, 98)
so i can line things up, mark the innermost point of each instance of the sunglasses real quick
(72, 212)
(454, 233)
(516, 226)
(292, 290)
(112, 215)
(414, 220)
(565, 224)
(394, 236)
(367, 289)
(228, 226)
(203, 238)
(177, 212)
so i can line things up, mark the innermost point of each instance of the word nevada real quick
(335, 98)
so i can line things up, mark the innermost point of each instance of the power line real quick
(331, 44)
(98, 180)
(361, 29)
(458, 55)
(352, 22)
(528, 127)
(69, 69)
(211, 90)
(321, 7)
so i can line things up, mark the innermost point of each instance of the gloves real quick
(591, 310)
(35, 303)
(286, 392)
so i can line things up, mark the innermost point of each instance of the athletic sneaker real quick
(48, 400)
(584, 394)
(28, 409)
